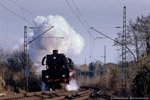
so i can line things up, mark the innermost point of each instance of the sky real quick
(102, 15)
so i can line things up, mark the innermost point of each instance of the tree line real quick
(138, 40)
(12, 68)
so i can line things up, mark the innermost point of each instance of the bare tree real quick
(138, 36)
(12, 67)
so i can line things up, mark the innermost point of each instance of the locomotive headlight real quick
(54, 57)
(47, 76)
(63, 75)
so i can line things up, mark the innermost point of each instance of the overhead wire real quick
(22, 8)
(84, 25)
(16, 14)
(92, 47)
(78, 18)
(108, 27)
(80, 14)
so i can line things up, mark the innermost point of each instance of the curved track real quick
(83, 93)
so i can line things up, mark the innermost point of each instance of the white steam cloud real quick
(72, 86)
(61, 37)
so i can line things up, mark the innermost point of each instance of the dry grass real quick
(109, 81)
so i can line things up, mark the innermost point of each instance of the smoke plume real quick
(61, 37)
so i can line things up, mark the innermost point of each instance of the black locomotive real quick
(58, 67)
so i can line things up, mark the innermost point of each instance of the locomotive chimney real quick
(55, 51)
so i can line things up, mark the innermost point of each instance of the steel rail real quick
(85, 92)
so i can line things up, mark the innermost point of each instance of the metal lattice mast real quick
(123, 82)
(26, 54)
(105, 69)
(124, 37)
(25, 39)
(26, 43)
(104, 54)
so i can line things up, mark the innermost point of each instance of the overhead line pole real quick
(105, 68)
(26, 51)
(114, 41)
(104, 55)
(124, 37)
(124, 63)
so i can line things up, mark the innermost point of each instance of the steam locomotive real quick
(59, 70)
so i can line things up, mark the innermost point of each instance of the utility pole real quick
(26, 56)
(124, 37)
(27, 72)
(124, 63)
(105, 70)
(104, 55)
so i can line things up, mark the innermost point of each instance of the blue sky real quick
(103, 15)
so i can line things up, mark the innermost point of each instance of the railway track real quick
(83, 93)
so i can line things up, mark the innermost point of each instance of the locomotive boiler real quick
(58, 71)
